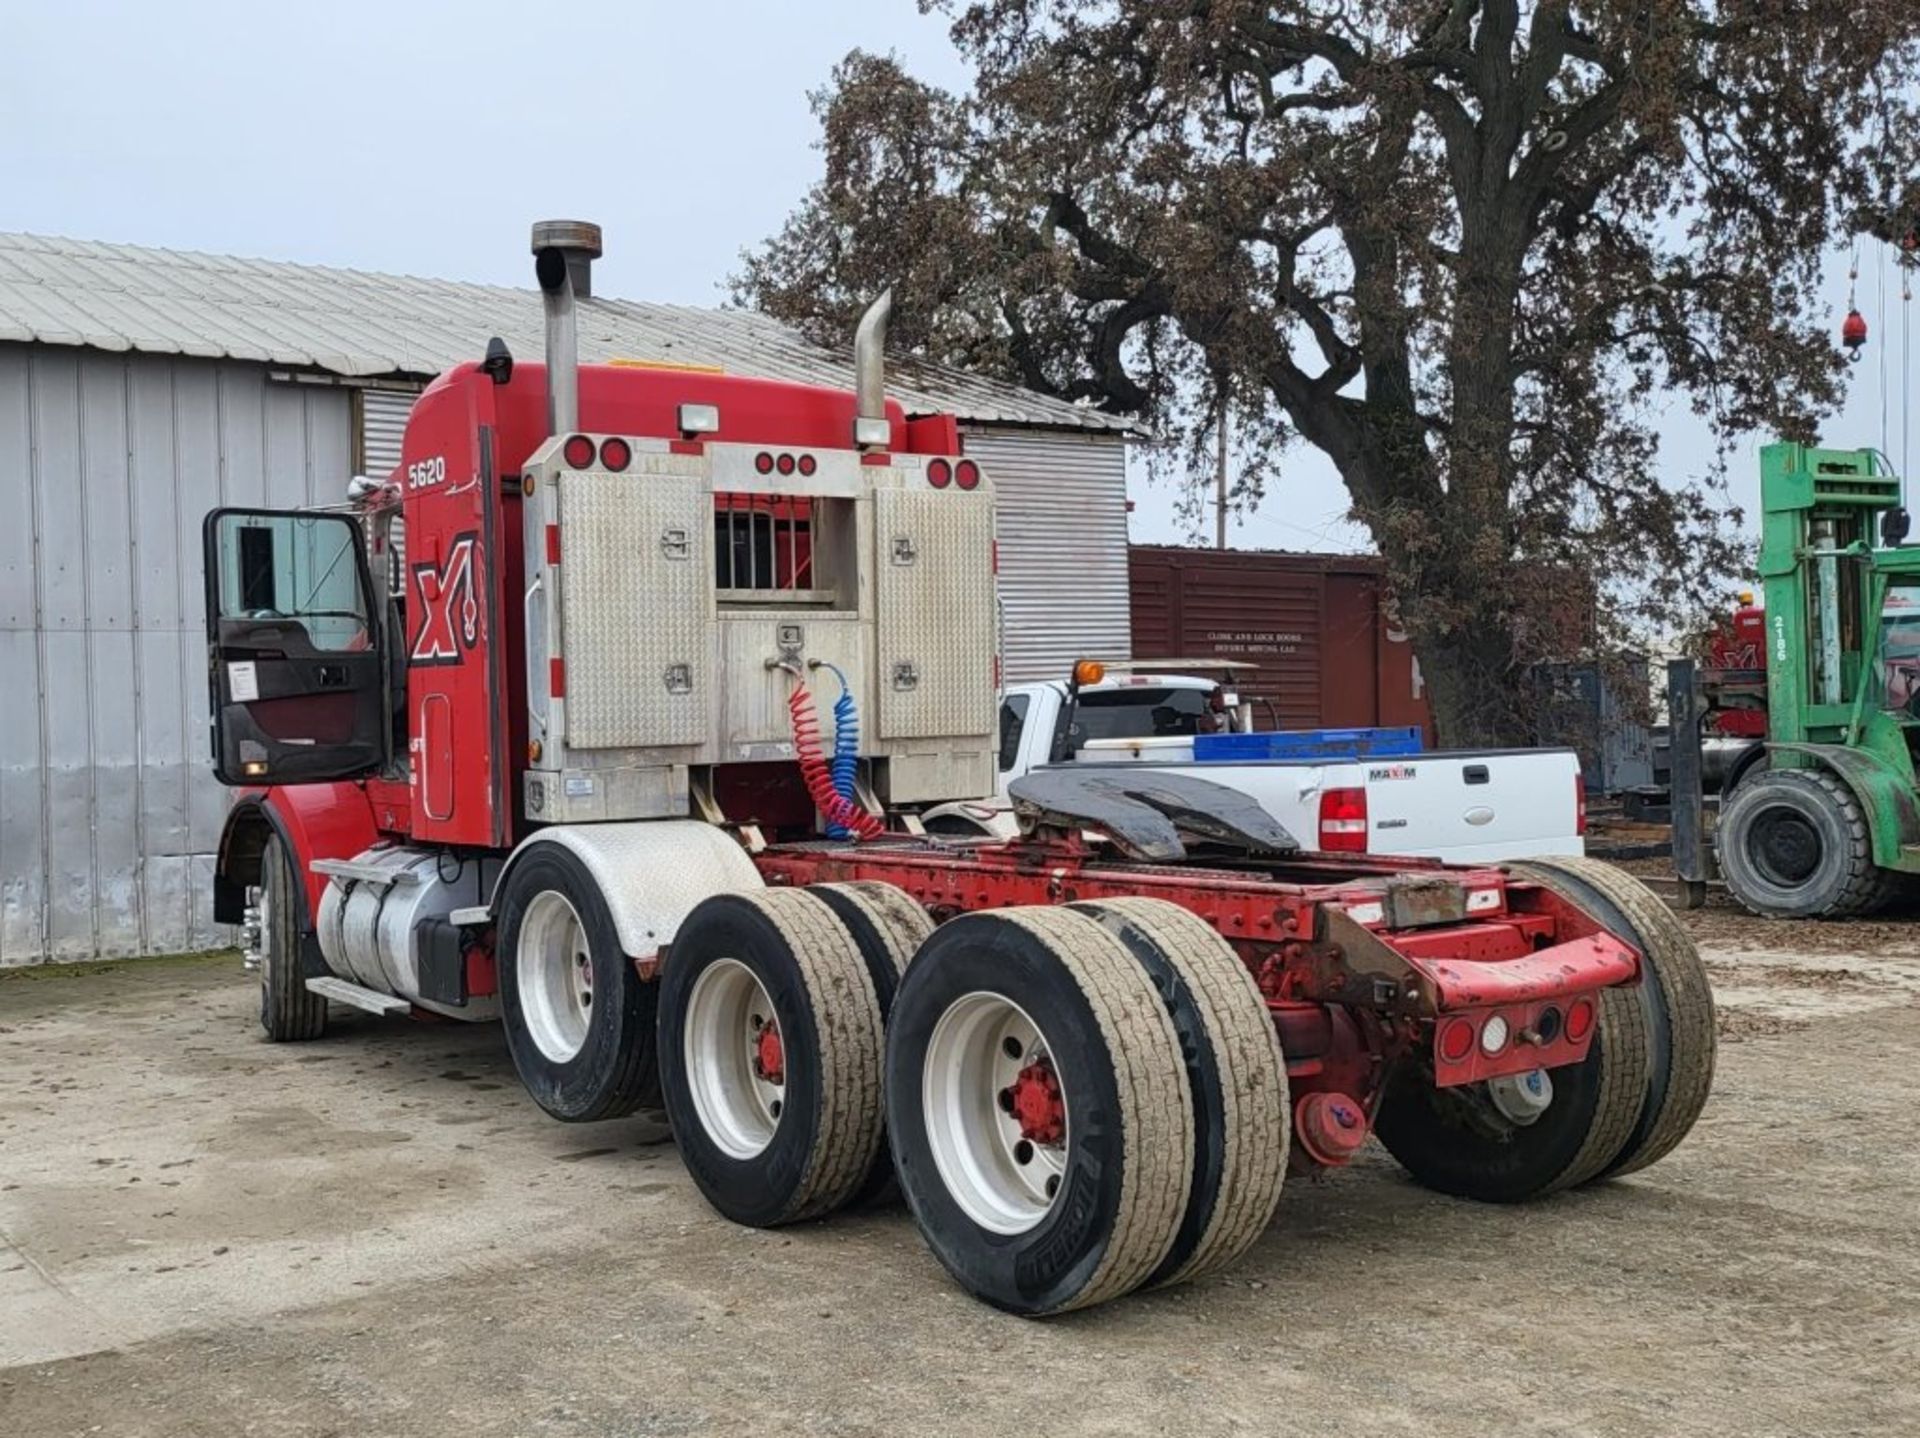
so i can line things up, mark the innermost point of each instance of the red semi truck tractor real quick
(576, 778)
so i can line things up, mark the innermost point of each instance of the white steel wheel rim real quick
(554, 968)
(1002, 1181)
(727, 1014)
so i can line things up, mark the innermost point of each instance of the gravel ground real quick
(201, 1233)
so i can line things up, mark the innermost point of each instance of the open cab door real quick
(294, 648)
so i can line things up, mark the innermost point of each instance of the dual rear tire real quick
(1085, 1101)
(1645, 1079)
(1078, 1102)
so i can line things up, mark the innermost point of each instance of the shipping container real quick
(1317, 627)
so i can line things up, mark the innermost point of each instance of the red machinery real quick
(572, 776)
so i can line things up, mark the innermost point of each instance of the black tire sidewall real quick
(763, 1190)
(1653, 1000)
(1800, 793)
(607, 1077)
(1044, 1268)
(1452, 1156)
(288, 1012)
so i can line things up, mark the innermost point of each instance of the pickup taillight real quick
(1580, 804)
(1343, 821)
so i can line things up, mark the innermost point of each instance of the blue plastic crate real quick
(1307, 744)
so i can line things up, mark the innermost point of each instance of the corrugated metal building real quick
(140, 388)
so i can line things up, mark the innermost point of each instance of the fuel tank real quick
(377, 925)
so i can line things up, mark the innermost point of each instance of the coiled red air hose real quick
(818, 774)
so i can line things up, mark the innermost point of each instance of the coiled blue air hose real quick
(845, 765)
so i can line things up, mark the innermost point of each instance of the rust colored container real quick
(1316, 625)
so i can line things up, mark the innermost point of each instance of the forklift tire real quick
(1794, 844)
(888, 927)
(1241, 1116)
(1045, 1003)
(770, 1048)
(1675, 992)
(579, 1020)
(1453, 1141)
(288, 1012)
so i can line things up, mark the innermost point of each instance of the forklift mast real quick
(1820, 510)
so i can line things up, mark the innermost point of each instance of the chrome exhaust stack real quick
(870, 427)
(563, 256)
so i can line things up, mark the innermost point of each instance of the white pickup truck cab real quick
(1462, 806)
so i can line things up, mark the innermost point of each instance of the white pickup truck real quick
(1462, 805)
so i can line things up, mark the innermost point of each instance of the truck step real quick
(372, 1000)
(375, 874)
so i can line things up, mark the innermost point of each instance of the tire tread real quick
(846, 1015)
(1674, 964)
(1253, 1080)
(1156, 1107)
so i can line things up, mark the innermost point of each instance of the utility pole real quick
(1220, 480)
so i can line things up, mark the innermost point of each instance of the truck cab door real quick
(295, 668)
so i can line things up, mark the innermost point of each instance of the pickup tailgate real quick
(1468, 805)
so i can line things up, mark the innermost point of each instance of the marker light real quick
(808, 464)
(785, 464)
(763, 462)
(699, 419)
(578, 452)
(1579, 1020)
(966, 474)
(1493, 1037)
(616, 455)
(939, 473)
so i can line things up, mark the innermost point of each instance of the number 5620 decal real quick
(427, 472)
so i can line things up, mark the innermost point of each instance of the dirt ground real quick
(202, 1233)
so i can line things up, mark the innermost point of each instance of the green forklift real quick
(1824, 822)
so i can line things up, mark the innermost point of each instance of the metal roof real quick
(350, 322)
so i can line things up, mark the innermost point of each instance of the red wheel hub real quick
(769, 1058)
(1035, 1101)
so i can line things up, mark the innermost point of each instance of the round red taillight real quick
(808, 464)
(785, 463)
(763, 462)
(939, 473)
(966, 474)
(616, 455)
(1579, 1020)
(577, 452)
(1456, 1041)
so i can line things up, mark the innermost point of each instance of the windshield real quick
(1143, 712)
(1900, 646)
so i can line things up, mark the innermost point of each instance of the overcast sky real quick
(423, 138)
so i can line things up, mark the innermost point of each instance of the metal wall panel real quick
(1062, 523)
(380, 416)
(109, 814)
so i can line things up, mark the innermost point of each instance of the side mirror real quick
(1894, 525)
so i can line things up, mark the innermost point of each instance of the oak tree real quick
(1467, 248)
